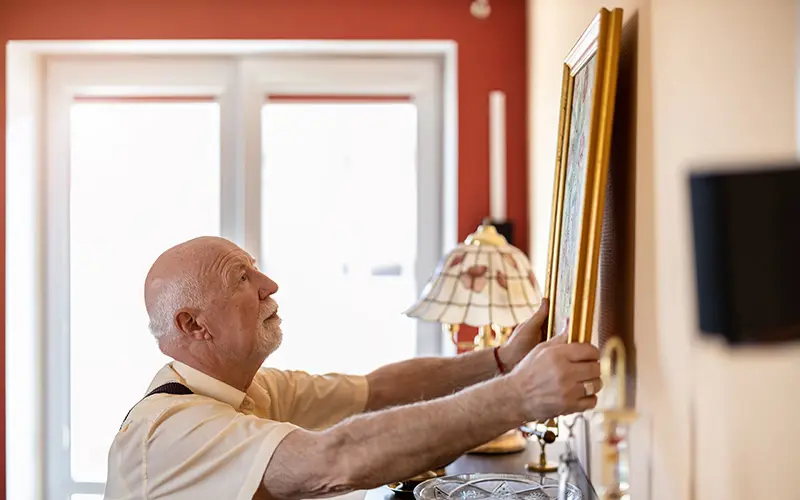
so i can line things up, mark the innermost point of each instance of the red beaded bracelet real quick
(497, 360)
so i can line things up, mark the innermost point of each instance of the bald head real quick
(181, 277)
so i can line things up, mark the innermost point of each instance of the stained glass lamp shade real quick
(484, 281)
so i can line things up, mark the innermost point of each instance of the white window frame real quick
(43, 78)
(417, 78)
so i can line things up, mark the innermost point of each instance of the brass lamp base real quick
(510, 442)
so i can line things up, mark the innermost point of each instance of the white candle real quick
(497, 154)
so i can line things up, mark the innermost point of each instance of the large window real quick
(328, 171)
(344, 173)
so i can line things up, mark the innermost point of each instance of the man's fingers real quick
(584, 388)
(586, 371)
(579, 351)
(537, 321)
(597, 384)
(541, 314)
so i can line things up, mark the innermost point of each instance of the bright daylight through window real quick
(339, 231)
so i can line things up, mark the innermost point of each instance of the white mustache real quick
(269, 309)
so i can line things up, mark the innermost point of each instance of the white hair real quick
(172, 296)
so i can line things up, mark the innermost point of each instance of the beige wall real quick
(746, 446)
(716, 79)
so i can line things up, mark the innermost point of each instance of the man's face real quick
(241, 314)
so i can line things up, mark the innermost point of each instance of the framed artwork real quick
(584, 142)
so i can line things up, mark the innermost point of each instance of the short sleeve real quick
(314, 402)
(200, 448)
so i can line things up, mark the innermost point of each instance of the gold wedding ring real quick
(588, 388)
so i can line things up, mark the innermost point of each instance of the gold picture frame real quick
(588, 90)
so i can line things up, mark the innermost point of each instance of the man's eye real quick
(244, 277)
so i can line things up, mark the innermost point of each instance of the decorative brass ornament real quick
(614, 424)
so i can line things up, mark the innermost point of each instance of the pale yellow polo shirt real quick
(217, 443)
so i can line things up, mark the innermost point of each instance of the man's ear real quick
(189, 324)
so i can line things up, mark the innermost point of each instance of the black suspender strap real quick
(173, 388)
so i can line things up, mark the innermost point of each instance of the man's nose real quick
(267, 288)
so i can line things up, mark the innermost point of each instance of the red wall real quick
(491, 55)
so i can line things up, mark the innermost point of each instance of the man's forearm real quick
(401, 442)
(423, 379)
(375, 448)
(368, 450)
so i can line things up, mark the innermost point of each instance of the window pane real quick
(144, 176)
(340, 231)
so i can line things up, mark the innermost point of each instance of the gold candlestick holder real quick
(545, 433)
(614, 422)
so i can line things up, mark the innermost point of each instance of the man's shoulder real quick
(267, 375)
(278, 373)
(275, 378)
(155, 409)
(164, 420)
(194, 433)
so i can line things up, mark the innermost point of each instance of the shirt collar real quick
(208, 386)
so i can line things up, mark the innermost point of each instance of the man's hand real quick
(552, 378)
(525, 337)
(426, 378)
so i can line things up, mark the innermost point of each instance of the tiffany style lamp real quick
(485, 283)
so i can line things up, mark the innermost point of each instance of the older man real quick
(216, 425)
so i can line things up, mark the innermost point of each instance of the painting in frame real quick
(584, 142)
